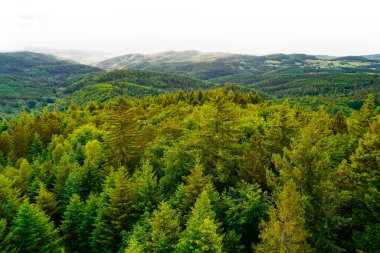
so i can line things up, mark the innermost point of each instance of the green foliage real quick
(200, 170)
(285, 231)
(246, 205)
(202, 231)
(33, 232)
(165, 229)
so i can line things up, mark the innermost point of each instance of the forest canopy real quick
(200, 171)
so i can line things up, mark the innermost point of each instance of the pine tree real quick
(72, 220)
(362, 119)
(134, 246)
(307, 163)
(364, 175)
(87, 225)
(145, 186)
(196, 182)
(245, 206)
(280, 133)
(46, 201)
(165, 229)
(10, 199)
(202, 231)
(285, 231)
(6, 142)
(339, 124)
(255, 161)
(36, 147)
(33, 232)
(115, 213)
(123, 138)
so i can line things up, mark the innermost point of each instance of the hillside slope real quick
(33, 80)
(208, 66)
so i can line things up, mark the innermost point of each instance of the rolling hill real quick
(209, 66)
(33, 80)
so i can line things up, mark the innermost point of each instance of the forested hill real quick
(207, 66)
(205, 171)
(33, 80)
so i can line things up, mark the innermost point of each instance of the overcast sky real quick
(334, 27)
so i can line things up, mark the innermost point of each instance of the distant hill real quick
(102, 86)
(373, 57)
(32, 79)
(209, 66)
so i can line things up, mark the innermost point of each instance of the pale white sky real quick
(335, 27)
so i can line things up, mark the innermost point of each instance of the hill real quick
(33, 80)
(102, 86)
(208, 66)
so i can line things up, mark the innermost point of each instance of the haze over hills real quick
(33, 80)
(207, 66)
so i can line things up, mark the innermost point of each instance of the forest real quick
(203, 170)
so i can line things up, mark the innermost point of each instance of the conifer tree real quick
(245, 206)
(134, 246)
(10, 199)
(6, 142)
(122, 138)
(114, 214)
(339, 124)
(196, 182)
(284, 127)
(307, 163)
(36, 147)
(255, 161)
(33, 232)
(87, 224)
(285, 231)
(165, 229)
(362, 119)
(202, 231)
(145, 187)
(46, 202)
(72, 220)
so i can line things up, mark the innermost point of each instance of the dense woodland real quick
(200, 171)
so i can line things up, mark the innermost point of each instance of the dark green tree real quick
(33, 232)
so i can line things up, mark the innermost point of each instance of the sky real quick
(328, 27)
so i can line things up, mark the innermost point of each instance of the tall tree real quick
(72, 220)
(165, 229)
(145, 187)
(33, 232)
(202, 233)
(307, 163)
(255, 161)
(285, 231)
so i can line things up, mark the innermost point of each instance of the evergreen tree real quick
(114, 214)
(145, 188)
(46, 202)
(362, 119)
(196, 182)
(33, 232)
(36, 148)
(10, 199)
(134, 246)
(165, 229)
(72, 220)
(245, 206)
(87, 224)
(339, 124)
(255, 161)
(285, 231)
(123, 138)
(202, 231)
(307, 163)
